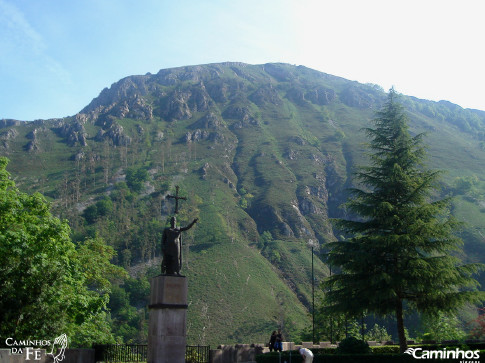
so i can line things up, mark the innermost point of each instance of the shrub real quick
(352, 345)
(385, 349)
(337, 358)
(364, 358)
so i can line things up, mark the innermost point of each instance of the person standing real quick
(272, 341)
(278, 346)
(307, 355)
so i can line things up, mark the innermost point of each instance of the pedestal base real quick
(167, 320)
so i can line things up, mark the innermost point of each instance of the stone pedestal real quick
(167, 319)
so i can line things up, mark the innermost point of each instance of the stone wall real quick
(239, 353)
(246, 353)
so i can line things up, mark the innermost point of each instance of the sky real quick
(57, 55)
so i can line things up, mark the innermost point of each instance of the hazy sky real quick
(57, 55)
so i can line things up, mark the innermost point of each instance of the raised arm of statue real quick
(190, 225)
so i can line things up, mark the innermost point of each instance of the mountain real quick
(264, 155)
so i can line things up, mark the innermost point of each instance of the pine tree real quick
(400, 250)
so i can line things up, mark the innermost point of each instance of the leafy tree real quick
(47, 287)
(94, 256)
(135, 177)
(269, 247)
(377, 333)
(400, 249)
(130, 324)
(90, 214)
(104, 206)
(441, 327)
(265, 239)
(246, 197)
(139, 290)
(465, 184)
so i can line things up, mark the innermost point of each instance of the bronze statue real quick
(172, 242)
(171, 247)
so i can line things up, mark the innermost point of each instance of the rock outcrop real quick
(8, 123)
(243, 116)
(114, 132)
(6, 137)
(73, 132)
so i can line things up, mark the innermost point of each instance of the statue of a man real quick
(171, 247)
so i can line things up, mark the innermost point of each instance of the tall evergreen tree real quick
(400, 249)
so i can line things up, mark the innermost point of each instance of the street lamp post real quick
(313, 302)
(331, 319)
(313, 245)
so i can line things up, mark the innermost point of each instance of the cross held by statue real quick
(177, 198)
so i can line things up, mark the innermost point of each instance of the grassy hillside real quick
(263, 153)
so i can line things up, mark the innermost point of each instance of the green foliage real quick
(269, 247)
(102, 208)
(90, 214)
(329, 327)
(265, 239)
(337, 358)
(128, 305)
(122, 193)
(382, 358)
(135, 177)
(194, 356)
(138, 290)
(47, 286)
(377, 333)
(352, 345)
(465, 184)
(385, 349)
(442, 327)
(246, 198)
(399, 249)
(36, 267)
(99, 273)
(339, 135)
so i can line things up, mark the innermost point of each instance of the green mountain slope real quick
(264, 154)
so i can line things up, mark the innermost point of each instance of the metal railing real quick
(197, 354)
(111, 353)
(121, 353)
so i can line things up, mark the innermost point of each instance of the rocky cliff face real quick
(274, 106)
(273, 122)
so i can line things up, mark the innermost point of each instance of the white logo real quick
(410, 351)
(419, 353)
(61, 341)
(32, 348)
